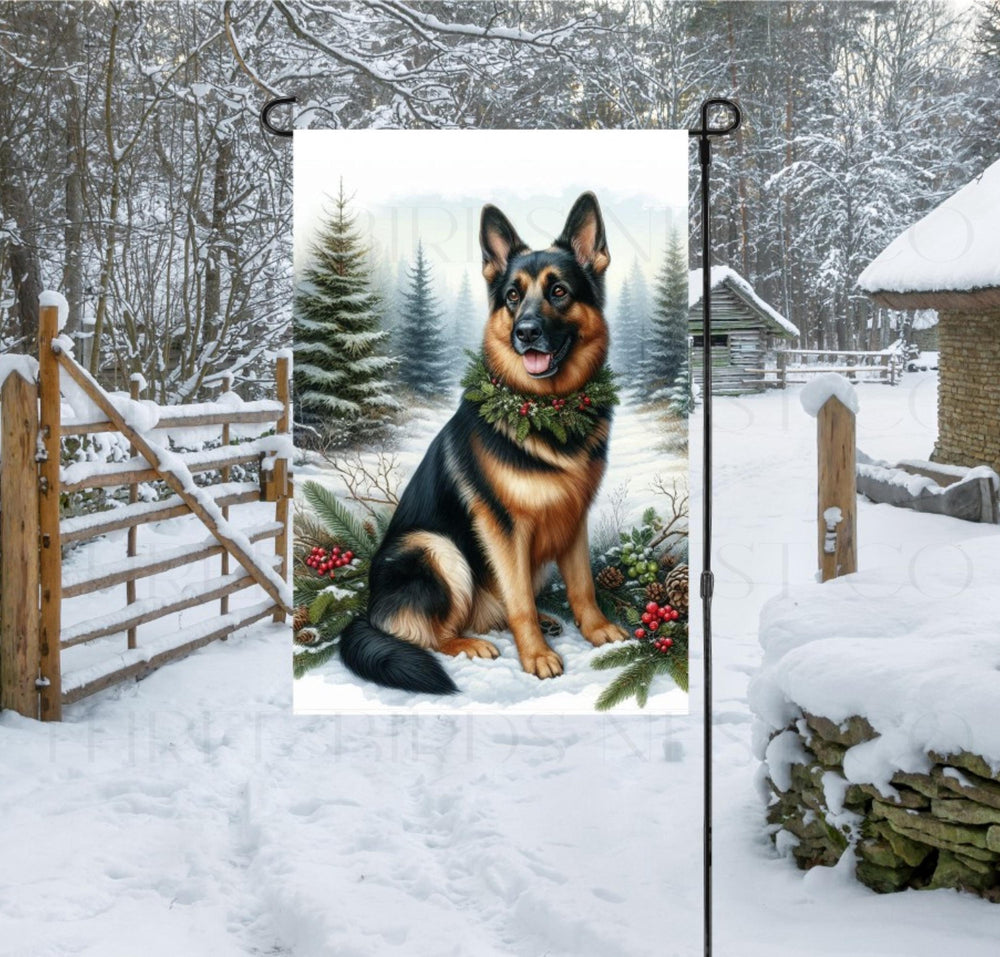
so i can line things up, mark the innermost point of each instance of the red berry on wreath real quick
(640, 632)
(652, 608)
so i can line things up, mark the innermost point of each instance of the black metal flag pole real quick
(707, 584)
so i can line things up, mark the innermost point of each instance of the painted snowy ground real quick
(191, 814)
(636, 456)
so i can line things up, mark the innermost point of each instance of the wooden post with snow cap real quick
(282, 479)
(50, 563)
(135, 385)
(227, 387)
(833, 402)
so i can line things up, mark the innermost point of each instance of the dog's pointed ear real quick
(499, 241)
(584, 234)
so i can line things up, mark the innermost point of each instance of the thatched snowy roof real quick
(732, 280)
(950, 259)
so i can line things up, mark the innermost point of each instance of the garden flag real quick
(491, 393)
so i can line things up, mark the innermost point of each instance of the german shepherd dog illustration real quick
(483, 514)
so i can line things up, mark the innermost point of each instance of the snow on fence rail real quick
(32, 481)
(800, 365)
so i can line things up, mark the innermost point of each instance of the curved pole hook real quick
(735, 118)
(265, 115)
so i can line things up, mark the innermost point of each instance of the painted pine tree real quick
(667, 349)
(427, 360)
(642, 309)
(343, 381)
(623, 331)
(468, 322)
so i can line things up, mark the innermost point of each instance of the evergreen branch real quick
(621, 655)
(634, 681)
(339, 520)
(303, 661)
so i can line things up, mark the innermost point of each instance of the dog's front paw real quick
(603, 632)
(542, 664)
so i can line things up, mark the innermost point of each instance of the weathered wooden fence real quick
(35, 584)
(799, 365)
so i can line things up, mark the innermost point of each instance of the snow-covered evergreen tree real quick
(426, 358)
(468, 323)
(642, 307)
(343, 382)
(667, 350)
(623, 331)
(682, 400)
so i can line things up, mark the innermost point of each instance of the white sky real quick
(432, 184)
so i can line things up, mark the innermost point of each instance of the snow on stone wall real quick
(878, 722)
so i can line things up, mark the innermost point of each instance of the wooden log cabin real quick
(746, 332)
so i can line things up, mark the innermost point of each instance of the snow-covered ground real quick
(636, 459)
(192, 814)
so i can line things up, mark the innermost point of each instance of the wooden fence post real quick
(282, 377)
(20, 655)
(837, 500)
(224, 475)
(50, 693)
(783, 370)
(133, 532)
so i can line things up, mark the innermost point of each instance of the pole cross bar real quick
(710, 110)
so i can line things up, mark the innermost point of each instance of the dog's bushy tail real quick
(390, 661)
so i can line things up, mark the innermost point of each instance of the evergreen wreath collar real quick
(574, 414)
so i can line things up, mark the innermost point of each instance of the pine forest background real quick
(135, 178)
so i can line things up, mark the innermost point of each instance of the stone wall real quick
(940, 829)
(969, 389)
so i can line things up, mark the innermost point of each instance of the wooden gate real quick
(34, 636)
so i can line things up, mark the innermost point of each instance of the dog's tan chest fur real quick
(547, 507)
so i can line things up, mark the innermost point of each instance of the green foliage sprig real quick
(331, 603)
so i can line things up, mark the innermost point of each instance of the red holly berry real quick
(640, 632)
(652, 608)
(647, 618)
(586, 400)
(348, 555)
(333, 574)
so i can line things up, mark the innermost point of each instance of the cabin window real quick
(717, 341)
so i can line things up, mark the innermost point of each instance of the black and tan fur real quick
(483, 515)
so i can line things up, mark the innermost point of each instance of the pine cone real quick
(656, 592)
(676, 585)
(610, 578)
(306, 636)
(301, 618)
(667, 560)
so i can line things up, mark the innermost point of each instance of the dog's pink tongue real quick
(536, 362)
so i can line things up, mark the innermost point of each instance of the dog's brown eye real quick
(559, 292)
(513, 296)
